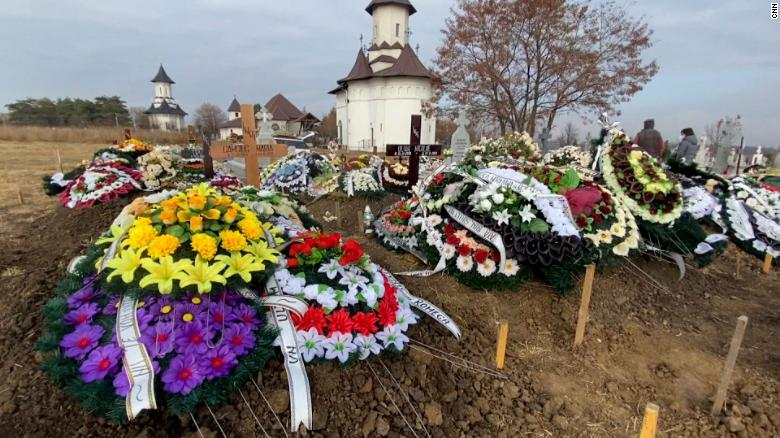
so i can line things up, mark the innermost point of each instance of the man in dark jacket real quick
(650, 140)
(688, 148)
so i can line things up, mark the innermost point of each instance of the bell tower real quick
(391, 21)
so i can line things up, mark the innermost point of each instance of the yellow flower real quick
(141, 235)
(125, 264)
(204, 245)
(168, 216)
(232, 240)
(212, 214)
(170, 203)
(162, 273)
(196, 202)
(604, 236)
(183, 216)
(116, 233)
(230, 215)
(162, 246)
(251, 228)
(142, 221)
(636, 155)
(201, 274)
(241, 265)
(201, 189)
(196, 224)
(223, 200)
(263, 253)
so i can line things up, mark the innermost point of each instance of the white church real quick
(165, 113)
(386, 86)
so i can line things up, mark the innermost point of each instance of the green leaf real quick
(538, 226)
(176, 230)
(570, 179)
(215, 227)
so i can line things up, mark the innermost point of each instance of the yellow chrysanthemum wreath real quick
(193, 240)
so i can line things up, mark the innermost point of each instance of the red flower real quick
(606, 196)
(464, 250)
(386, 312)
(338, 321)
(439, 178)
(351, 252)
(582, 222)
(313, 318)
(605, 209)
(557, 179)
(449, 230)
(327, 241)
(292, 262)
(480, 256)
(301, 248)
(405, 214)
(453, 240)
(364, 323)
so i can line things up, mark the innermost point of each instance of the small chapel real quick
(386, 85)
(165, 113)
(284, 118)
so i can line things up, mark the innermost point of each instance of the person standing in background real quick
(650, 140)
(688, 148)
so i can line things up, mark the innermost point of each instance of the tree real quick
(208, 117)
(103, 111)
(328, 128)
(140, 118)
(568, 136)
(518, 62)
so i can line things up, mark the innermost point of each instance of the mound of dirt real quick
(645, 342)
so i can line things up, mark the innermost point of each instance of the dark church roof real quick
(235, 123)
(164, 108)
(234, 107)
(384, 58)
(162, 76)
(407, 64)
(375, 3)
(282, 109)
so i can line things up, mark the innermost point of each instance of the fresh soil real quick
(643, 343)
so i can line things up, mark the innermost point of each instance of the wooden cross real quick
(414, 150)
(249, 150)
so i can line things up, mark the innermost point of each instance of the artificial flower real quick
(183, 375)
(204, 245)
(526, 215)
(76, 345)
(617, 230)
(339, 346)
(162, 246)
(251, 228)
(366, 345)
(393, 336)
(339, 322)
(448, 251)
(464, 263)
(162, 273)
(82, 315)
(218, 362)
(202, 274)
(100, 362)
(510, 268)
(502, 217)
(351, 252)
(313, 318)
(263, 253)
(242, 265)
(141, 234)
(125, 264)
(310, 344)
(193, 338)
(232, 240)
(239, 337)
(486, 268)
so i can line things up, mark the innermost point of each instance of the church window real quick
(397, 29)
(380, 127)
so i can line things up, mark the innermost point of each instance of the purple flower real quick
(81, 341)
(162, 308)
(122, 384)
(229, 296)
(239, 337)
(82, 315)
(218, 314)
(193, 338)
(158, 339)
(84, 295)
(218, 362)
(246, 314)
(112, 307)
(183, 375)
(187, 312)
(100, 362)
(144, 318)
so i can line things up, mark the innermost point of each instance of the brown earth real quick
(643, 344)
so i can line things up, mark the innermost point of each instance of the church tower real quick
(386, 85)
(164, 113)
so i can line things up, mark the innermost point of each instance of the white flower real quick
(366, 345)
(448, 251)
(486, 268)
(751, 202)
(339, 345)
(526, 214)
(404, 317)
(759, 245)
(621, 249)
(434, 220)
(327, 298)
(605, 236)
(632, 242)
(485, 205)
(617, 230)
(498, 198)
(310, 344)
(371, 294)
(742, 194)
(392, 335)
(510, 268)
(311, 291)
(352, 280)
(502, 217)
(464, 263)
(593, 238)
(331, 269)
(347, 298)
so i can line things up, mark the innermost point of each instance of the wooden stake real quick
(767, 263)
(59, 160)
(360, 226)
(582, 315)
(19, 196)
(728, 367)
(503, 332)
(650, 421)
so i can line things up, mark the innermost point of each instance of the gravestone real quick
(544, 139)
(460, 140)
(414, 150)
(249, 150)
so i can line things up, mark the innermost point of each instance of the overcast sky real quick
(717, 57)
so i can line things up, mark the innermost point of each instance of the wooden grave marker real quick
(414, 150)
(249, 150)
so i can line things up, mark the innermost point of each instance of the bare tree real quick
(328, 128)
(569, 135)
(139, 118)
(209, 117)
(519, 62)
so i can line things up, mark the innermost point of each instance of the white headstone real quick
(460, 140)
(265, 133)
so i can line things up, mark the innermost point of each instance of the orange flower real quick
(196, 224)
(170, 203)
(197, 202)
(224, 200)
(168, 216)
(212, 214)
(230, 215)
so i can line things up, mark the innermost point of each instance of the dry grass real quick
(103, 136)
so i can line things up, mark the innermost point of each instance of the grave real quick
(414, 150)
(248, 149)
(460, 140)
